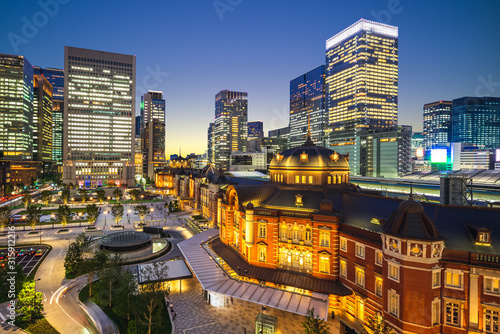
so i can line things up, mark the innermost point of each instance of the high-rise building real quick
(476, 120)
(210, 140)
(307, 107)
(138, 126)
(42, 119)
(437, 123)
(55, 77)
(16, 108)
(231, 128)
(153, 115)
(255, 130)
(283, 134)
(99, 118)
(361, 80)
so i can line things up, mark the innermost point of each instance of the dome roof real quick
(411, 222)
(310, 156)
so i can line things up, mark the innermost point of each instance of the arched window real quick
(284, 230)
(296, 233)
(308, 234)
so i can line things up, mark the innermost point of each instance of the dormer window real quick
(298, 200)
(480, 234)
(484, 237)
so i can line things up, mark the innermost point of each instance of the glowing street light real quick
(105, 217)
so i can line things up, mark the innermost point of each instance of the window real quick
(308, 234)
(324, 239)
(484, 237)
(378, 286)
(324, 264)
(360, 277)
(491, 319)
(379, 257)
(454, 279)
(452, 313)
(296, 234)
(303, 179)
(262, 253)
(310, 179)
(283, 231)
(394, 272)
(393, 303)
(343, 244)
(436, 278)
(360, 309)
(329, 180)
(262, 231)
(436, 312)
(343, 269)
(297, 179)
(360, 250)
(491, 285)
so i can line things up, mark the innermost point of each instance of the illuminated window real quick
(393, 272)
(343, 269)
(262, 253)
(360, 277)
(436, 312)
(296, 234)
(436, 278)
(452, 313)
(491, 321)
(297, 179)
(379, 257)
(308, 235)
(343, 244)
(454, 279)
(324, 264)
(378, 286)
(304, 179)
(360, 309)
(329, 179)
(492, 285)
(310, 179)
(324, 239)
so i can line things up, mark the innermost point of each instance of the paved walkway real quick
(195, 316)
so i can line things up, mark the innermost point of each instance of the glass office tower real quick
(231, 128)
(153, 141)
(56, 78)
(307, 107)
(42, 119)
(99, 104)
(361, 79)
(255, 130)
(476, 120)
(16, 108)
(437, 123)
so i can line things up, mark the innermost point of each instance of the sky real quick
(192, 49)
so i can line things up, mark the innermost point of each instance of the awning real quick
(213, 279)
(177, 269)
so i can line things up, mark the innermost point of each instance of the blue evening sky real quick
(447, 49)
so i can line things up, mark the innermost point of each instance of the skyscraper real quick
(210, 140)
(476, 120)
(42, 119)
(99, 117)
(153, 131)
(56, 78)
(307, 107)
(361, 79)
(437, 123)
(16, 108)
(231, 118)
(255, 130)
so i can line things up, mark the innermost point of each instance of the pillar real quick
(219, 212)
(249, 225)
(473, 300)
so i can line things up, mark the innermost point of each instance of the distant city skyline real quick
(261, 60)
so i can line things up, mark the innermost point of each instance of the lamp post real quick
(53, 216)
(152, 209)
(80, 218)
(105, 217)
(129, 211)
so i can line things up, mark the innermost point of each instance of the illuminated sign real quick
(439, 155)
(419, 152)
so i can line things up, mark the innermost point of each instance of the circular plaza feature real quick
(127, 241)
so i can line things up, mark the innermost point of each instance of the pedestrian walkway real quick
(195, 316)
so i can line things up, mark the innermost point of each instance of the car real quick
(22, 252)
(39, 252)
(31, 251)
(3, 255)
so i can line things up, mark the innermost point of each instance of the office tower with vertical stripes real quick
(153, 134)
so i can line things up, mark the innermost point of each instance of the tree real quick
(125, 293)
(152, 293)
(101, 195)
(377, 325)
(65, 193)
(26, 198)
(34, 213)
(93, 266)
(74, 255)
(46, 196)
(135, 193)
(29, 303)
(117, 212)
(142, 211)
(118, 194)
(83, 193)
(9, 188)
(313, 324)
(63, 215)
(5, 217)
(109, 277)
(92, 213)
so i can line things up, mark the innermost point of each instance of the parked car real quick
(39, 252)
(22, 252)
(31, 251)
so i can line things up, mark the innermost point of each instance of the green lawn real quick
(41, 326)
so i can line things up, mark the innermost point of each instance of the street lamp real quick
(105, 217)
(80, 219)
(129, 211)
(53, 216)
(152, 209)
